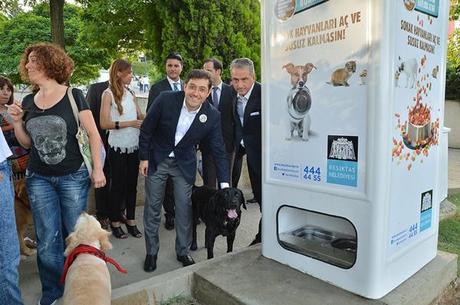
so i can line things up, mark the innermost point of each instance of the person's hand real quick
(136, 123)
(16, 112)
(143, 167)
(98, 178)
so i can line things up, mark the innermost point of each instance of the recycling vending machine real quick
(353, 102)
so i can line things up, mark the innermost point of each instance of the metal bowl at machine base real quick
(331, 247)
(417, 135)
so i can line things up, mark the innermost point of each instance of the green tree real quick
(56, 15)
(115, 25)
(225, 29)
(199, 29)
(453, 57)
(32, 27)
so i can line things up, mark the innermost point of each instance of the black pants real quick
(237, 165)
(209, 168)
(123, 184)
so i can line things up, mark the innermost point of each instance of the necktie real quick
(240, 108)
(215, 98)
(176, 87)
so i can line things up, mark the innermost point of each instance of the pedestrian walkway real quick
(454, 170)
(130, 253)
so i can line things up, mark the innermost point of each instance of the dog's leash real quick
(80, 249)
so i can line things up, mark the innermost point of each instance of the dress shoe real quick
(150, 263)
(252, 200)
(169, 223)
(186, 260)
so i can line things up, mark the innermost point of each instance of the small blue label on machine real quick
(429, 7)
(342, 172)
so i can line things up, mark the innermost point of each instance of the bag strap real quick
(73, 104)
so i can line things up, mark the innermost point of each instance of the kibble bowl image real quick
(419, 125)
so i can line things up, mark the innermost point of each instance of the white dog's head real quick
(88, 231)
(299, 73)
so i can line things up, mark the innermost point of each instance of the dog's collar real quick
(80, 249)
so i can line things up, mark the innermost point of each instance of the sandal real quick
(118, 232)
(133, 231)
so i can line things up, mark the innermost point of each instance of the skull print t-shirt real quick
(55, 150)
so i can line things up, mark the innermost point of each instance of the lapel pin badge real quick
(203, 118)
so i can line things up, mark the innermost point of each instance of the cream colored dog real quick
(88, 279)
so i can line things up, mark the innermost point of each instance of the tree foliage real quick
(225, 29)
(199, 29)
(27, 28)
(453, 57)
(115, 25)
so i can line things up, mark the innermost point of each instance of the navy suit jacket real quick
(157, 88)
(226, 115)
(157, 136)
(251, 131)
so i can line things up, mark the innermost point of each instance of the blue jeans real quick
(56, 203)
(9, 245)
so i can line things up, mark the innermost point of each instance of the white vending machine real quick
(353, 102)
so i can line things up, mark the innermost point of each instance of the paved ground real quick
(130, 253)
(454, 169)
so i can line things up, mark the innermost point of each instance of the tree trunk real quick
(57, 21)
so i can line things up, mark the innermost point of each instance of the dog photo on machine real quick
(220, 210)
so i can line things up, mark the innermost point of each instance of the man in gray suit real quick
(221, 98)
(172, 82)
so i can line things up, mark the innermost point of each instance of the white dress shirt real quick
(239, 100)
(186, 118)
(172, 82)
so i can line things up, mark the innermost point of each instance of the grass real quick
(180, 300)
(449, 231)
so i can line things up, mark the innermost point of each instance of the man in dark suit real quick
(101, 194)
(221, 98)
(175, 124)
(172, 82)
(248, 124)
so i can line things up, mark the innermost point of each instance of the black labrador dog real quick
(220, 210)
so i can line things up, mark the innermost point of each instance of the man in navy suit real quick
(174, 125)
(221, 98)
(248, 124)
(172, 82)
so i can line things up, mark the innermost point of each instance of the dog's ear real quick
(243, 201)
(104, 240)
(309, 67)
(289, 68)
(71, 242)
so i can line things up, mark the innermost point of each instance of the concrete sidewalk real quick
(130, 252)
